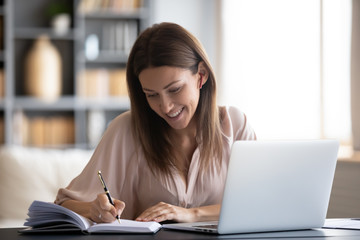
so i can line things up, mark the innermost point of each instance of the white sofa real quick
(29, 174)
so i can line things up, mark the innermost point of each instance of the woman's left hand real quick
(164, 211)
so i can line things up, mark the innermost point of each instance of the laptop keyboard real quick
(208, 226)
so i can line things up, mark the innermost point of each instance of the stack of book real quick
(102, 83)
(43, 131)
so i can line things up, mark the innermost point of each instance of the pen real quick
(107, 193)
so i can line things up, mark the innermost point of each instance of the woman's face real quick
(172, 92)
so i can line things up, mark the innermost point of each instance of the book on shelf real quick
(118, 37)
(2, 83)
(89, 6)
(93, 83)
(2, 130)
(117, 83)
(102, 83)
(43, 131)
(50, 217)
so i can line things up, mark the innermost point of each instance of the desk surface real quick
(12, 233)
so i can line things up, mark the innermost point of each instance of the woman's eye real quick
(149, 95)
(175, 90)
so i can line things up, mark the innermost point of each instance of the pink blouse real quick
(129, 178)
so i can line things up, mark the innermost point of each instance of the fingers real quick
(119, 207)
(163, 211)
(103, 211)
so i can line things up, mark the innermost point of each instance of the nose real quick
(165, 104)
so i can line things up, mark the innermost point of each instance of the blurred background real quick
(292, 66)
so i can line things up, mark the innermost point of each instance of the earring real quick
(201, 80)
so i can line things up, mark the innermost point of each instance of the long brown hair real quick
(168, 44)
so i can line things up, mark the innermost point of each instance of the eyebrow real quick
(167, 86)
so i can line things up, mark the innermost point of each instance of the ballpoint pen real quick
(107, 192)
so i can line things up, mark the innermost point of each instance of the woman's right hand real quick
(101, 210)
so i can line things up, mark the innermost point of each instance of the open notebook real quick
(274, 186)
(50, 217)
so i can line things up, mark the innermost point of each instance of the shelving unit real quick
(81, 115)
(3, 66)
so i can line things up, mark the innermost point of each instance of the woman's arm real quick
(164, 211)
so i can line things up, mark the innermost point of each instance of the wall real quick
(345, 194)
(197, 16)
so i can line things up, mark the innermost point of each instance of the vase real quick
(43, 70)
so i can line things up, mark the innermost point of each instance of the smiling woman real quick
(167, 158)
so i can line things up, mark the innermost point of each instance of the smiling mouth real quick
(175, 114)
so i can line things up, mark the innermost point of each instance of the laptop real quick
(274, 186)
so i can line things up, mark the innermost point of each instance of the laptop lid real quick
(275, 186)
(278, 185)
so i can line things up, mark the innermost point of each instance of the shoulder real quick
(235, 124)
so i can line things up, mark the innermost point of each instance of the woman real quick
(167, 158)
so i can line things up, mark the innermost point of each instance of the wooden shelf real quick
(32, 103)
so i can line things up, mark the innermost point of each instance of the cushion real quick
(29, 174)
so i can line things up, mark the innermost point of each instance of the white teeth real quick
(175, 113)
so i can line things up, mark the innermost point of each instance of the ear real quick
(203, 74)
